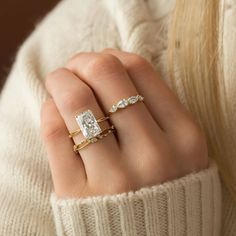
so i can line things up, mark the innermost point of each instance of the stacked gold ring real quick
(104, 133)
(90, 128)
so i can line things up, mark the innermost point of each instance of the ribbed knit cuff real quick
(190, 205)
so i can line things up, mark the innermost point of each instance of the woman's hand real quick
(156, 140)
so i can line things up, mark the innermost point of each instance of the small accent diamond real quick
(133, 99)
(123, 103)
(140, 98)
(113, 108)
(93, 140)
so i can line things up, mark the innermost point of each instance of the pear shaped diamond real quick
(113, 108)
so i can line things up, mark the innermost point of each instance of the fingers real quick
(108, 78)
(163, 104)
(72, 96)
(65, 165)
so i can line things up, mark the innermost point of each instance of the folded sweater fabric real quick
(191, 205)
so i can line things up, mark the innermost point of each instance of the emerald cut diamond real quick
(88, 124)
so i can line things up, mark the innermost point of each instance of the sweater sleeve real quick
(190, 205)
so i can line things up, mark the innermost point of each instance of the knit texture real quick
(167, 209)
(190, 205)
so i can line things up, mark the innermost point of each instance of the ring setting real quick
(89, 125)
(123, 103)
(90, 129)
(95, 139)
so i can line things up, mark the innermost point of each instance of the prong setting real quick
(126, 102)
(88, 124)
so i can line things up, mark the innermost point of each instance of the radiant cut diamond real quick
(88, 124)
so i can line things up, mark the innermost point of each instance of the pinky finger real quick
(66, 166)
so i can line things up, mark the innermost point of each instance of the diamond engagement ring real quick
(89, 124)
(123, 103)
(90, 129)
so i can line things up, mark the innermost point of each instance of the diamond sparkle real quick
(133, 99)
(88, 124)
(123, 103)
(126, 102)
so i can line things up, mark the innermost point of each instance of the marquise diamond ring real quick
(123, 103)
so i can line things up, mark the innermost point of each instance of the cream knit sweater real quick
(192, 205)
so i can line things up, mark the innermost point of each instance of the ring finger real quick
(72, 96)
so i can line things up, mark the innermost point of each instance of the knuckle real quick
(138, 62)
(73, 60)
(80, 98)
(102, 64)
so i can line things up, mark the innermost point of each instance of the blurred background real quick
(17, 19)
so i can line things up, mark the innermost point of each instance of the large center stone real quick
(88, 124)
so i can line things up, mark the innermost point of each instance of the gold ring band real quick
(76, 132)
(103, 134)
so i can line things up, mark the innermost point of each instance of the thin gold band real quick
(86, 142)
(74, 133)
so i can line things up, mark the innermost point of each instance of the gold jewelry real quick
(76, 132)
(123, 103)
(103, 134)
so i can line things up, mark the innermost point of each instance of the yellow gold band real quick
(86, 142)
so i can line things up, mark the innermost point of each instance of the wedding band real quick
(103, 134)
(88, 124)
(123, 103)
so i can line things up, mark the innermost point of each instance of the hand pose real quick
(156, 140)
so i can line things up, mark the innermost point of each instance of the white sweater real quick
(191, 205)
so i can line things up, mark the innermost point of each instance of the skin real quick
(156, 141)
